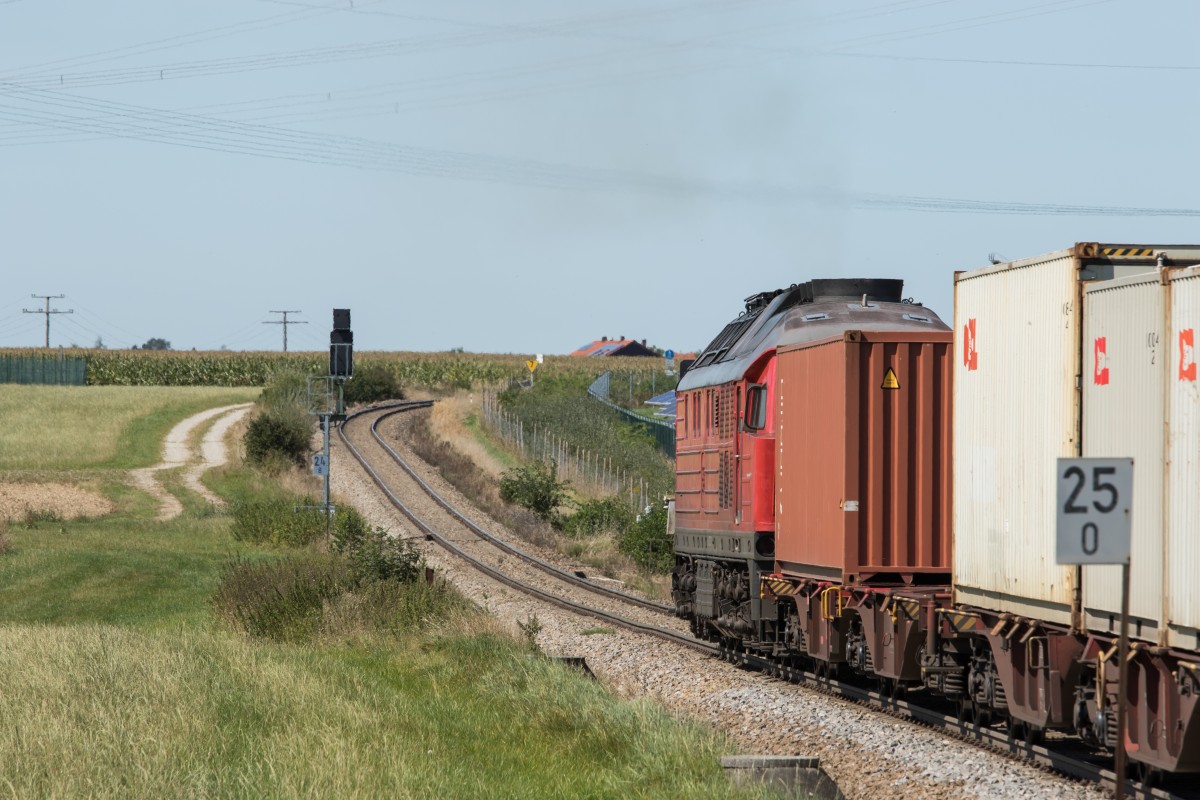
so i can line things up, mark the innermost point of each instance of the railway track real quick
(1067, 758)
(469, 549)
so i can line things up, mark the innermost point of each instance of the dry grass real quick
(448, 418)
(478, 486)
(64, 500)
(473, 466)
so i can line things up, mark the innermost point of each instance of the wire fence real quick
(577, 464)
(663, 432)
(48, 369)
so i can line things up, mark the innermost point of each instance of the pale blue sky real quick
(528, 176)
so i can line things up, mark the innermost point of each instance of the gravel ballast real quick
(867, 753)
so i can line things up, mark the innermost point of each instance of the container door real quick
(1124, 402)
(1183, 446)
(1016, 410)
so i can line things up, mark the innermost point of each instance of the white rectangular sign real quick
(320, 465)
(1095, 500)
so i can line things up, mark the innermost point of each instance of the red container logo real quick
(1187, 354)
(1100, 375)
(970, 349)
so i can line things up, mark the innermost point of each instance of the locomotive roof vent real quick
(862, 290)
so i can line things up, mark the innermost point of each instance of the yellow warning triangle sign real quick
(889, 380)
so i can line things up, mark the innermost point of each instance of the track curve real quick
(1050, 757)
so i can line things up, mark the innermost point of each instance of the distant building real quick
(615, 347)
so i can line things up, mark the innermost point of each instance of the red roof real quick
(613, 347)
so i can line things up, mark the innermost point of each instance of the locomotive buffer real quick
(1095, 498)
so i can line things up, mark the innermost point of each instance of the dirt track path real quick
(178, 453)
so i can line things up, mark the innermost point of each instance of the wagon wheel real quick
(1017, 731)
(981, 715)
(963, 711)
(890, 689)
(1035, 736)
(1147, 775)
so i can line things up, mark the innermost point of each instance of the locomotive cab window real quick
(756, 407)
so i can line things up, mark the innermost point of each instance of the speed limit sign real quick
(1095, 497)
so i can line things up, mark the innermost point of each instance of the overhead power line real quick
(47, 311)
(285, 322)
(206, 133)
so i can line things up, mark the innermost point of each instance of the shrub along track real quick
(439, 521)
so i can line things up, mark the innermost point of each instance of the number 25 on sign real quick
(1095, 499)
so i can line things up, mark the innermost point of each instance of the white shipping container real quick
(1125, 354)
(1016, 411)
(1183, 450)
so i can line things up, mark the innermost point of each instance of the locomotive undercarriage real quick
(995, 667)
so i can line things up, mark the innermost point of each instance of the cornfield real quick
(229, 368)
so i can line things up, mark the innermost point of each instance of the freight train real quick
(862, 489)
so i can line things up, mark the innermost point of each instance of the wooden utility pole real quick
(285, 322)
(47, 311)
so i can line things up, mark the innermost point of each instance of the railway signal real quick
(341, 345)
(327, 401)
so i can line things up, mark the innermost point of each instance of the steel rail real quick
(992, 739)
(986, 737)
(546, 567)
(496, 574)
(507, 547)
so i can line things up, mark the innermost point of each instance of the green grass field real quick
(119, 681)
(103, 711)
(97, 427)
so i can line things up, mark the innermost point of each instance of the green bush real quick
(372, 553)
(280, 600)
(393, 607)
(278, 433)
(373, 382)
(277, 521)
(594, 516)
(646, 541)
(535, 486)
(287, 389)
(559, 404)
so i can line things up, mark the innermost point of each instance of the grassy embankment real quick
(473, 457)
(119, 680)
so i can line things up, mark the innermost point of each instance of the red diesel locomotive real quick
(814, 525)
(812, 506)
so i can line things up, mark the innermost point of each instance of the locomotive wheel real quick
(981, 715)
